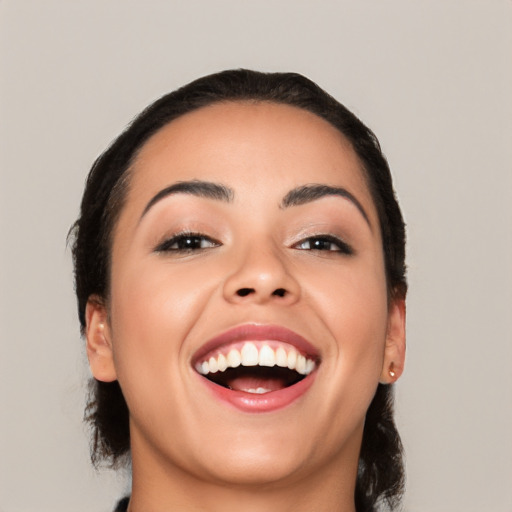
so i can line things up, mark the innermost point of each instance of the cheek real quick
(155, 305)
(353, 302)
(352, 306)
(152, 312)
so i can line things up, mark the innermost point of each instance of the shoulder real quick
(122, 505)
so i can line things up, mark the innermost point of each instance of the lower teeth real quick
(258, 391)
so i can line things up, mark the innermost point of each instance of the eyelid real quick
(168, 241)
(344, 247)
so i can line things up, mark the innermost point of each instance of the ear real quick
(394, 352)
(98, 338)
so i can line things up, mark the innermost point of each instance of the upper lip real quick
(257, 332)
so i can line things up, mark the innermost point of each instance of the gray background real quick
(432, 78)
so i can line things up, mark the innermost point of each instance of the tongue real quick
(255, 384)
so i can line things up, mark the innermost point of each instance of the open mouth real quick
(257, 367)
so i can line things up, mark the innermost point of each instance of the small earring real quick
(392, 372)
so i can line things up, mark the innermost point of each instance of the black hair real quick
(380, 478)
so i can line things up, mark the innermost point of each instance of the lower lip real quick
(258, 403)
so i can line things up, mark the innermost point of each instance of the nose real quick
(259, 277)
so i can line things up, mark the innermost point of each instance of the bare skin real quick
(324, 256)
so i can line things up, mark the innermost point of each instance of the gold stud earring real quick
(392, 372)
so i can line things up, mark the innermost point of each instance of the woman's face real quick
(248, 239)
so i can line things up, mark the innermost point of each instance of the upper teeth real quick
(251, 355)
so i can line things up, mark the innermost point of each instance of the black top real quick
(122, 506)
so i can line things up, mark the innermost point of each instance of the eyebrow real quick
(295, 197)
(308, 193)
(197, 188)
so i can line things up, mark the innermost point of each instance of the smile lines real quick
(256, 354)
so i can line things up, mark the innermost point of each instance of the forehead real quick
(261, 146)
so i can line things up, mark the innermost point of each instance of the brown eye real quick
(187, 242)
(324, 243)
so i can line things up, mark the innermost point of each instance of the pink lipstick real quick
(257, 368)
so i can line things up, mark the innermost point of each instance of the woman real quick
(239, 263)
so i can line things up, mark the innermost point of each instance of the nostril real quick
(280, 292)
(243, 292)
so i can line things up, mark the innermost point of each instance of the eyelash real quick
(190, 240)
(332, 241)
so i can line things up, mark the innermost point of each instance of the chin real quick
(256, 468)
(244, 456)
